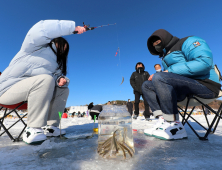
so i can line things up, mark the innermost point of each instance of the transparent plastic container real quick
(115, 137)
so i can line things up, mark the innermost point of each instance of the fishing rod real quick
(87, 27)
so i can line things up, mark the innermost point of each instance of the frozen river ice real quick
(151, 153)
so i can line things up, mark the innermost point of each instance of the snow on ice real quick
(151, 153)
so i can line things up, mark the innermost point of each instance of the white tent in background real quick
(77, 109)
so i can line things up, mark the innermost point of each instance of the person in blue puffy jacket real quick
(188, 70)
(37, 74)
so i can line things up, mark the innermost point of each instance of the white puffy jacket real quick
(35, 56)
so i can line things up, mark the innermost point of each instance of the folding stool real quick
(19, 106)
(193, 101)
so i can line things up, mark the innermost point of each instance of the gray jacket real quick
(35, 56)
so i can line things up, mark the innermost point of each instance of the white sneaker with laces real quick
(170, 131)
(149, 131)
(52, 131)
(33, 136)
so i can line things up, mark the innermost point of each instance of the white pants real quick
(45, 100)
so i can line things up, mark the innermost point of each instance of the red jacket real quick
(64, 115)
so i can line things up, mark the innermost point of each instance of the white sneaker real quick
(33, 136)
(170, 131)
(52, 131)
(149, 131)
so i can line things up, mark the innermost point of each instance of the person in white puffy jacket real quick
(37, 74)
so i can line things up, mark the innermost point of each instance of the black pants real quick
(94, 113)
(130, 111)
(137, 101)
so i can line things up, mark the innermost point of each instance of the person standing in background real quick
(90, 106)
(129, 106)
(136, 81)
(95, 110)
(158, 68)
(65, 115)
(207, 111)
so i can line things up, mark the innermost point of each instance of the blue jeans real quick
(166, 89)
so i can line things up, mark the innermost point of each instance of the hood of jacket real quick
(140, 63)
(167, 39)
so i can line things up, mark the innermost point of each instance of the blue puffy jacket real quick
(195, 60)
(190, 57)
(35, 56)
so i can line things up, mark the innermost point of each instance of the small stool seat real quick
(14, 108)
(193, 101)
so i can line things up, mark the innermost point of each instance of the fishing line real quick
(118, 50)
(87, 27)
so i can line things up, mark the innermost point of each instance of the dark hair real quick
(108, 101)
(61, 54)
(156, 65)
(140, 63)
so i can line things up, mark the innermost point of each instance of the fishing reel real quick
(87, 27)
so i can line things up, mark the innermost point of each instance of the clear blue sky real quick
(93, 69)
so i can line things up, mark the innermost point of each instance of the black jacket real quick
(129, 106)
(97, 108)
(90, 106)
(137, 79)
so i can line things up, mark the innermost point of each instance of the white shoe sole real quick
(175, 137)
(54, 135)
(35, 142)
(148, 134)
